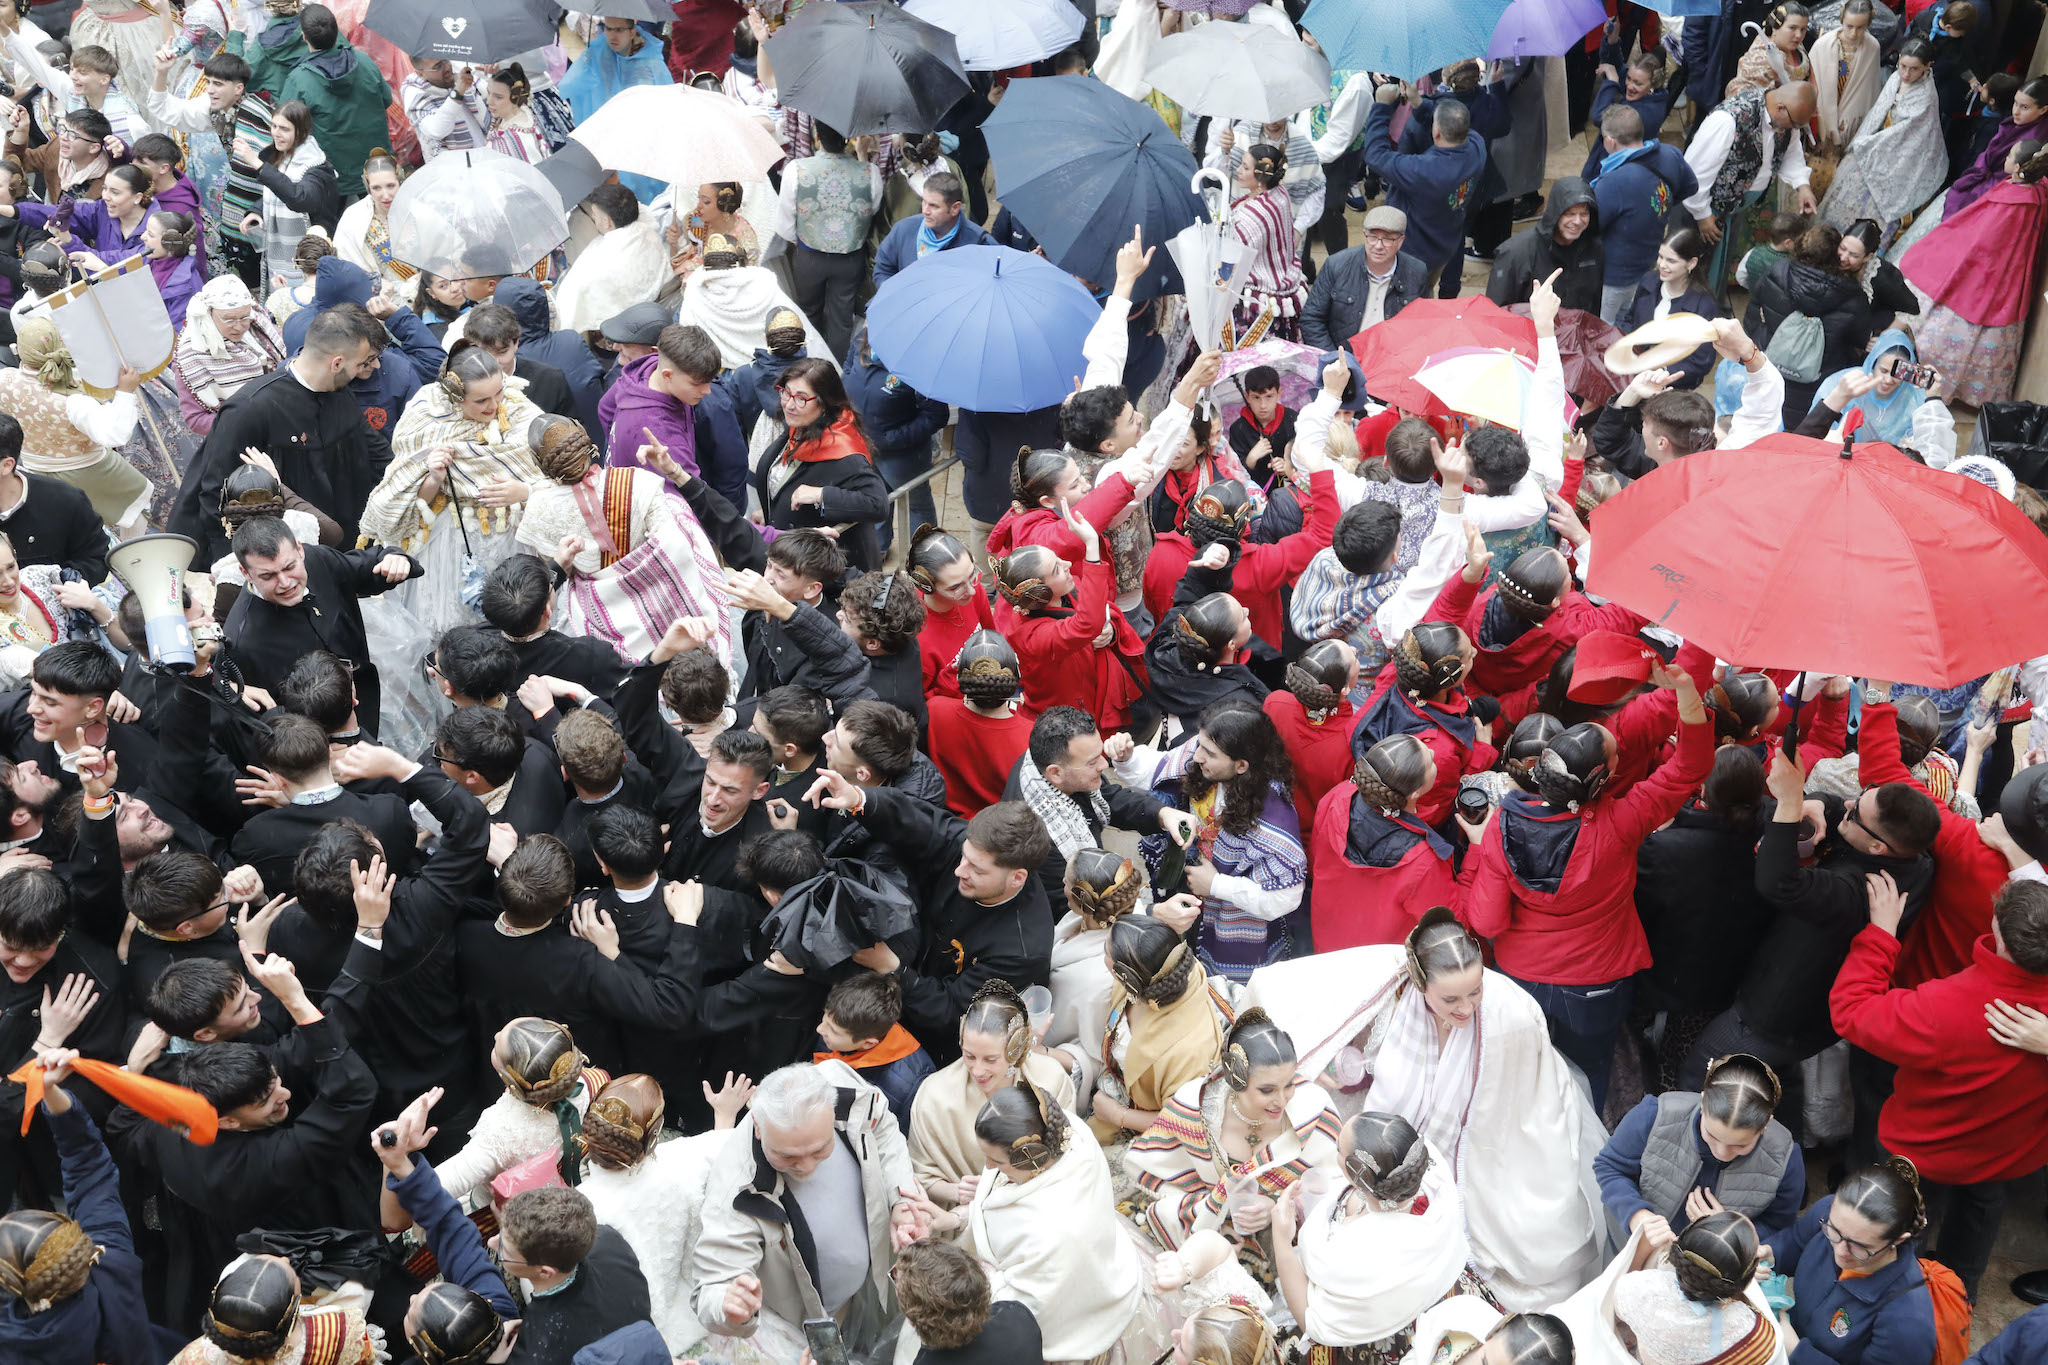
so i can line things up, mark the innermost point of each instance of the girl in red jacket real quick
(1421, 693)
(1554, 881)
(954, 605)
(977, 737)
(1529, 616)
(1313, 717)
(1376, 865)
(1067, 632)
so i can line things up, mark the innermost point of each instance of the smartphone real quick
(1921, 376)
(822, 1335)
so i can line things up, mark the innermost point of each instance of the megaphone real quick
(153, 568)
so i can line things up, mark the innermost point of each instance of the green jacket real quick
(271, 55)
(348, 96)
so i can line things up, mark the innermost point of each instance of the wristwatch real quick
(1873, 697)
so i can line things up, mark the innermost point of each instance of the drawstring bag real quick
(1797, 346)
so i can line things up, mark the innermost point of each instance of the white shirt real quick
(1709, 152)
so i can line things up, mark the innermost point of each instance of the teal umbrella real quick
(1405, 38)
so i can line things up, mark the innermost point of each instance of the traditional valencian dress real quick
(1978, 285)
(328, 1335)
(1667, 1327)
(943, 1147)
(1150, 1051)
(656, 1206)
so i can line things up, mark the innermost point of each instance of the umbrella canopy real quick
(639, 11)
(1479, 381)
(990, 328)
(867, 66)
(573, 172)
(1545, 28)
(996, 36)
(461, 30)
(469, 214)
(1582, 342)
(712, 136)
(1790, 553)
(1212, 8)
(1080, 165)
(1393, 351)
(1409, 39)
(1242, 71)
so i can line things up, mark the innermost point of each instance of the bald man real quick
(1739, 147)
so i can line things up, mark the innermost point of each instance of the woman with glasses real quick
(820, 473)
(1862, 1296)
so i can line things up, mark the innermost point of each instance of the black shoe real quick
(2031, 1287)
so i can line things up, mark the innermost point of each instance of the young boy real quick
(594, 763)
(625, 843)
(1264, 430)
(200, 1000)
(1785, 230)
(861, 1027)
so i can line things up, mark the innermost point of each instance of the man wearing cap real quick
(1363, 285)
(632, 334)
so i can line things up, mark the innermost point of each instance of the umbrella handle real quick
(1791, 744)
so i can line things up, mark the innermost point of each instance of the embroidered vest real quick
(834, 202)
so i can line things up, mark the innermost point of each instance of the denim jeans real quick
(1584, 1022)
(898, 467)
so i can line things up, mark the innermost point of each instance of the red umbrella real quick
(1393, 351)
(1790, 553)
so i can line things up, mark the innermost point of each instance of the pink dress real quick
(1979, 285)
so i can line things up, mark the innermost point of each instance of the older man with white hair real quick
(803, 1212)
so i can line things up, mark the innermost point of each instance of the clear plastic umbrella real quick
(997, 34)
(1206, 252)
(679, 135)
(468, 214)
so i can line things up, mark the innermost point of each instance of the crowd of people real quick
(607, 891)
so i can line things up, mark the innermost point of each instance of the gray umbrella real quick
(866, 66)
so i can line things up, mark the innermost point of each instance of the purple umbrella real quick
(1545, 28)
(1236, 9)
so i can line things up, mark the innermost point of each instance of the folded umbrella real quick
(1239, 71)
(1544, 28)
(867, 66)
(989, 328)
(1391, 352)
(823, 922)
(994, 36)
(1582, 342)
(461, 30)
(1080, 165)
(1409, 39)
(711, 136)
(471, 214)
(1794, 553)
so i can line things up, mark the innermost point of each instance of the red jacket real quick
(1453, 758)
(1586, 931)
(938, 644)
(1350, 905)
(1102, 505)
(1057, 652)
(1965, 1108)
(1967, 871)
(974, 753)
(1261, 572)
(1321, 754)
(1500, 672)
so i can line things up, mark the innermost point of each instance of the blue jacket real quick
(104, 1323)
(415, 358)
(1653, 107)
(1693, 369)
(899, 248)
(2023, 1342)
(566, 351)
(1881, 1319)
(457, 1246)
(637, 1343)
(1434, 188)
(1619, 1168)
(722, 446)
(1636, 200)
(895, 416)
(1492, 119)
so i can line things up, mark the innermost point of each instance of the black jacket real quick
(538, 795)
(580, 659)
(1011, 1337)
(1336, 302)
(547, 388)
(853, 492)
(1643, 307)
(268, 639)
(1185, 691)
(1533, 253)
(1696, 893)
(1130, 810)
(712, 859)
(609, 1292)
(808, 649)
(55, 524)
(271, 840)
(312, 194)
(1833, 298)
(844, 838)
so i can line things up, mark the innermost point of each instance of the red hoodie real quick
(1057, 652)
(1501, 672)
(1350, 904)
(1262, 570)
(1321, 754)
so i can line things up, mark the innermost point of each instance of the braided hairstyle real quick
(45, 1258)
(1573, 768)
(1028, 1123)
(1218, 514)
(175, 231)
(1741, 1091)
(517, 88)
(988, 668)
(1533, 1339)
(254, 1308)
(997, 1011)
(1715, 1258)
(455, 1326)
(1743, 704)
(1384, 1156)
(1530, 738)
(468, 363)
(930, 551)
(1102, 887)
(1534, 584)
(624, 1122)
(1149, 960)
(1439, 945)
(538, 1061)
(561, 448)
(1020, 578)
(1430, 659)
(1321, 676)
(1269, 164)
(1888, 1194)
(1780, 15)
(1254, 1041)
(1203, 632)
(1392, 772)
(1037, 475)
(1229, 1333)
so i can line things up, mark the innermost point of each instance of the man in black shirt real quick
(48, 522)
(705, 846)
(518, 599)
(272, 839)
(482, 750)
(582, 1279)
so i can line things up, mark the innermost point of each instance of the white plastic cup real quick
(1038, 1006)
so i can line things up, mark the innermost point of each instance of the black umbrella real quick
(823, 922)
(463, 30)
(573, 172)
(639, 11)
(865, 66)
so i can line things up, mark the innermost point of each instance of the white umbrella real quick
(471, 214)
(1206, 253)
(997, 34)
(1240, 71)
(679, 134)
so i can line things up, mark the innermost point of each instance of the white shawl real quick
(1056, 1245)
(657, 1206)
(625, 266)
(1525, 1156)
(1909, 159)
(733, 305)
(1589, 1313)
(1080, 996)
(1841, 116)
(1371, 1275)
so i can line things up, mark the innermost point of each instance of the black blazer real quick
(271, 841)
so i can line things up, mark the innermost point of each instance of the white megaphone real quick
(153, 568)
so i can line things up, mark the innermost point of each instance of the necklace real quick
(1253, 1126)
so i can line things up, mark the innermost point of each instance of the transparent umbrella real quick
(467, 214)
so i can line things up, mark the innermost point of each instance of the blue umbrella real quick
(1409, 39)
(1683, 9)
(987, 327)
(1080, 165)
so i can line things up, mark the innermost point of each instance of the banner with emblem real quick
(111, 318)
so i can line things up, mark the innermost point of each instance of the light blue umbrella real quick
(990, 328)
(1685, 9)
(1405, 38)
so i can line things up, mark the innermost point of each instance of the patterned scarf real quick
(1745, 155)
(1062, 813)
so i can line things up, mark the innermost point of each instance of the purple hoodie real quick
(630, 405)
(183, 197)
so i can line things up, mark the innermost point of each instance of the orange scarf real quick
(897, 1044)
(171, 1105)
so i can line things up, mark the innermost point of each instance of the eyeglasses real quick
(1856, 1250)
(802, 400)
